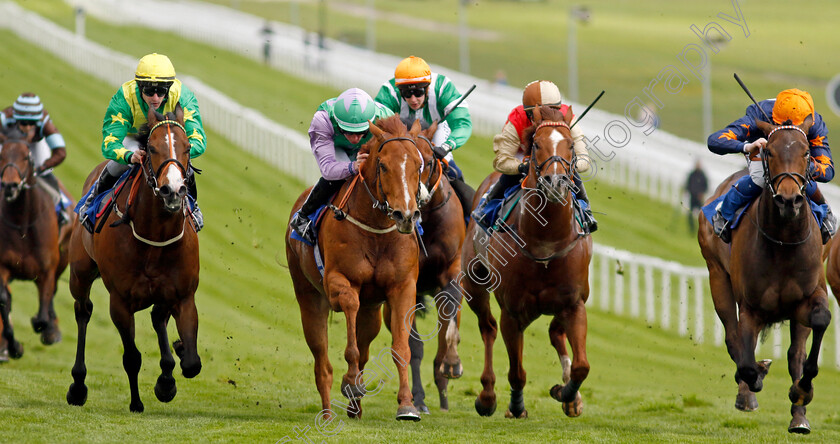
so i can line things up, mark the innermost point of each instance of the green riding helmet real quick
(353, 110)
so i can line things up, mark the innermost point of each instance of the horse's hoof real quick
(51, 336)
(191, 371)
(484, 410)
(408, 413)
(452, 371)
(77, 394)
(422, 408)
(15, 350)
(352, 391)
(136, 407)
(798, 396)
(746, 402)
(575, 408)
(355, 414)
(4, 355)
(799, 425)
(39, 325)
(522, 415)
(165, 389)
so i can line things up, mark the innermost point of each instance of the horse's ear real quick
(153, 117)
(179, 113)
(376, 131)
(431, 130)
(765, 127)
(568, 117)
(415, 128)
(807, 124)
(537, 115)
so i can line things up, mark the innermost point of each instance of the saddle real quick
(103, 203)
(490, 216)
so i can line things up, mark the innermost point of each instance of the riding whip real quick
(747, 90)
(587, 109)
(461, 99)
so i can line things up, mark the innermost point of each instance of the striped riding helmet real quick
(28, 106)
(353, 109)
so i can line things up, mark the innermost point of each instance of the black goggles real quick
(27, 122)
(350, 133)
(150, 91)
(407, 93)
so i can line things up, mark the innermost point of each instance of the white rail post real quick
(666, 299)
(682, 309)
(634, 290)
(650, 302)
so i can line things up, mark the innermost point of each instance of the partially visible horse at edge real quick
(147, 256)
(370, 256)
(32, 244)
(540, 263)
(772, 272)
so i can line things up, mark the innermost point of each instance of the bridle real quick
(148, 170)
(383, 204)
(434, 166)
(568, 166)
(773, 181)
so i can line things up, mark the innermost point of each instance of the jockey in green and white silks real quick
(416, 92)
(154, 86)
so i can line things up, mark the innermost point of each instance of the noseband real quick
(148, 171)
(24, 183)
(383, 205)
(773, 181)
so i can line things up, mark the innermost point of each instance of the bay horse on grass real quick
(772, 272)
(32, 244)
(440, 263)
(146, 258)
(537, 265)
(370, 257)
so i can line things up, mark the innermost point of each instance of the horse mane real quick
(392, 125)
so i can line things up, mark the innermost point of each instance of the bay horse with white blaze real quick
(369, 257)
(772, 272)
(440, 264)
(540, 266)
(147, 256)
(32, 244)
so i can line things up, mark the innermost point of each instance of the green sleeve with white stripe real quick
(460, 123)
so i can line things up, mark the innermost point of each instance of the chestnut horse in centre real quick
(537, 265)
(369, 257)
(147, 256)
(772, 272)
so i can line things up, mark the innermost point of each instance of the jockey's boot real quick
(465, 194)
(497, 191)
(103, 183)
(195, 212)
(319, 195)
(590, 225)
(829, 223)
(744, 191)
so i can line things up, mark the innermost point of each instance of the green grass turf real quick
(646, 385)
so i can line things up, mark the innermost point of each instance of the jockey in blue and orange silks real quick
(791, 106)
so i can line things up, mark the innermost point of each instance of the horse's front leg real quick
(14, 347)
(43, 322)
(802, 374)
(186, 320)
(479, 302)
(165, 388)
(512, 333)
(344, 297)
(749, 371)
(401, 298)
(575, 325)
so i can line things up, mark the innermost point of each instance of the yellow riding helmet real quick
(155, 68)
(794, 105)
(412, 70)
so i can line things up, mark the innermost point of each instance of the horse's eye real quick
(384, 168)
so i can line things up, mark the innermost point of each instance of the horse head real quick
(167, 157)
(786, 159)
(552, 163)
(16, 168)
(393, 170)
(432, 173)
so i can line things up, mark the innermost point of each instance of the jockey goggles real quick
(350, 133)
(150, 90)
(408, 92)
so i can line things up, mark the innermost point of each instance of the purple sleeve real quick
(321, 141)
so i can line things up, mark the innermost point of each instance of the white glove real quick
(752, 147)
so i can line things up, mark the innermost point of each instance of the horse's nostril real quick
(165, 190)
(182, 191)
(416, 215)
(398, 216)
(798, 200)
(780, 201)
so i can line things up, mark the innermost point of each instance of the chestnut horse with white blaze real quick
(370, 256)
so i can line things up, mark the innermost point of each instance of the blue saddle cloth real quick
(819, 211)
(102, 200)
(486, 215)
